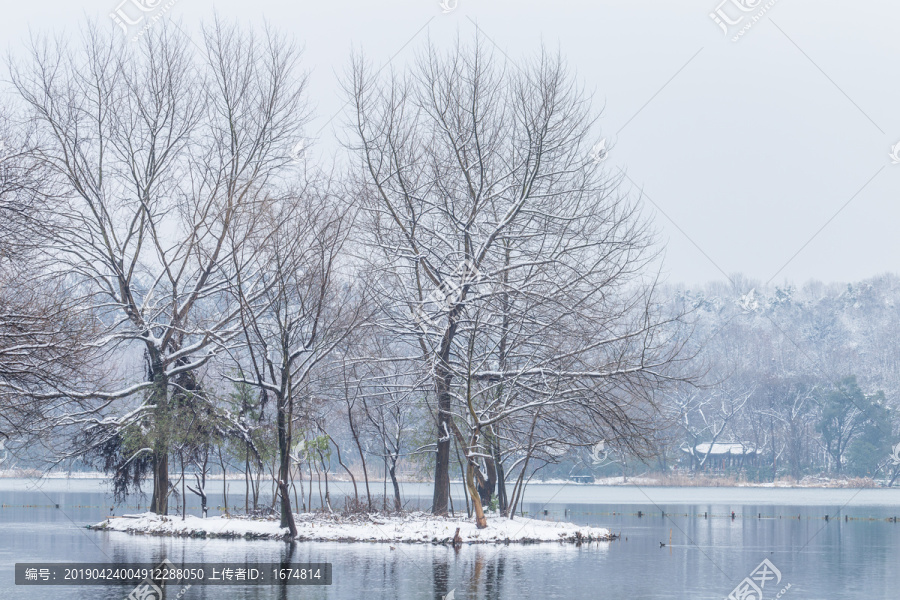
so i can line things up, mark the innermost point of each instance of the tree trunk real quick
(327, 493)
(224, 480)
(462, 473)
(443, 377)
(302, 489)
(502, 501)
(480, 520)
(183, 494)
(319, 481)
(362, 456)
(276, 467)
(287, 517)
(247, 482)
(487, 484)
(346, 468)
(397, 505)
(203, 482)
(442, 457)
(518, 488)
(294, 487)
(494, 430)
(159, 502)
(284, 470)
(203, 506)
(309, 469)
(256, 485)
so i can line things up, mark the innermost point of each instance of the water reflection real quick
(287, 558)
(440, 569)
(851, 559)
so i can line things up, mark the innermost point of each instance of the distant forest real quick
(807, 375)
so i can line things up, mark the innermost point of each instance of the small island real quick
(410, 528)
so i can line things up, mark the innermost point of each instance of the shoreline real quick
(411, 528)
(680, 481)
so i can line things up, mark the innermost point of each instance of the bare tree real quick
(163, 155)
(510, 261)
(42, 326)
(390, 408)
(307, 311)
(350, 388)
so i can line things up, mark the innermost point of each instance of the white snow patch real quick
(411, 528)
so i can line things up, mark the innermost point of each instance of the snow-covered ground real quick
(410, 528)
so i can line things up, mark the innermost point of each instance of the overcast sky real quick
(769, 155)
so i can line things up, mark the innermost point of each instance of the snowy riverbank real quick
(703, 480)
(415, 528)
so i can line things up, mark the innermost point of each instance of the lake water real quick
(837, 559)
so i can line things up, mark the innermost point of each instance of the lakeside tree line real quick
(807, 375)
(463, 289)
